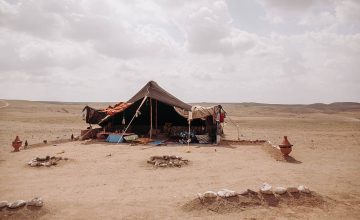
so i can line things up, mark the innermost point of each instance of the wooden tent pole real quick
(151, 122)
(156, 115)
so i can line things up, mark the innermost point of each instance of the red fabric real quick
(119, 107)
(222, 117)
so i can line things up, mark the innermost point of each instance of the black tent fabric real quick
(153, 90)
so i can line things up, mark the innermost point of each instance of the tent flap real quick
(198, 111)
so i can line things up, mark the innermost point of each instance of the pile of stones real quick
(35, 202)
(45, 161)
(167, 161)
(264, 189)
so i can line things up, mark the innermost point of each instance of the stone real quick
(210, 194)
(244, 193)
(4, 204)
(304, 189)
(280, 190)
(34, 164)
(17, 204)
(225, 193)
(200, 196)
(266, 189)
(38, 202)
(292, 190)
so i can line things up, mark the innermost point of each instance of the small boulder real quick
(225, 193)
(280, 190)
(17, 204)
(38, 202)
(266, 189)
(303, 189)
(210, 194)
(4, 204)
(244, 193)
(292, 190)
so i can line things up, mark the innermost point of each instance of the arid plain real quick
(94, 185)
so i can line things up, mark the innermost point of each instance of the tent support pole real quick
(135, 115)
(189, 137)
(156, 114)
(151, 119)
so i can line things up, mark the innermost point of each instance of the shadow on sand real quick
(290, 159)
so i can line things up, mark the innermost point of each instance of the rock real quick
(225, 193)
(266, 189)
(48, 164)
(34, 164)
(210, 194)
(280, 190)
(292, 190)
(17, 204)
(38, 202)
(303, 189)
(244, 193)
(200, 196)
(162, 165)
(4, 204)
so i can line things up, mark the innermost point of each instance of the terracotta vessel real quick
(16, 144)
(285, 147)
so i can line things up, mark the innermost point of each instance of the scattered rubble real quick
(45, 161)
(167, 161)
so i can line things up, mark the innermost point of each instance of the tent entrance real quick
(164, 119)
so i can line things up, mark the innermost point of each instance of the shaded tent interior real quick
(162, 114)
(157, 114)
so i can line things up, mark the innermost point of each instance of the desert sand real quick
(94, 185)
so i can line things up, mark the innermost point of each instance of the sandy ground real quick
(92, 185)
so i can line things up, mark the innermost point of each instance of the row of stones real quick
(38, 202)
(265, 189)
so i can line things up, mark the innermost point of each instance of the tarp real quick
(153, 90)
(92, 116)
(96, 116)
(198, 111)
(114, 138)
(119, 107)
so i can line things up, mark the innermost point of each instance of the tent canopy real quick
(153, 90)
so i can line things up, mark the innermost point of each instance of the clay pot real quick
(16, 144)
(285, 147)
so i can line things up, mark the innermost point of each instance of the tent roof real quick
(153, 90)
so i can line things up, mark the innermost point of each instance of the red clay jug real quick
(16, 144)
(285, 147)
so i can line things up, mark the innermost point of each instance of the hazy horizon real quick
(223, 51)
(108, 102)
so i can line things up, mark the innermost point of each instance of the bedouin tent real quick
(153, 110)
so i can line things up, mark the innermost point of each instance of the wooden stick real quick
(156, 115)
(151, 122)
